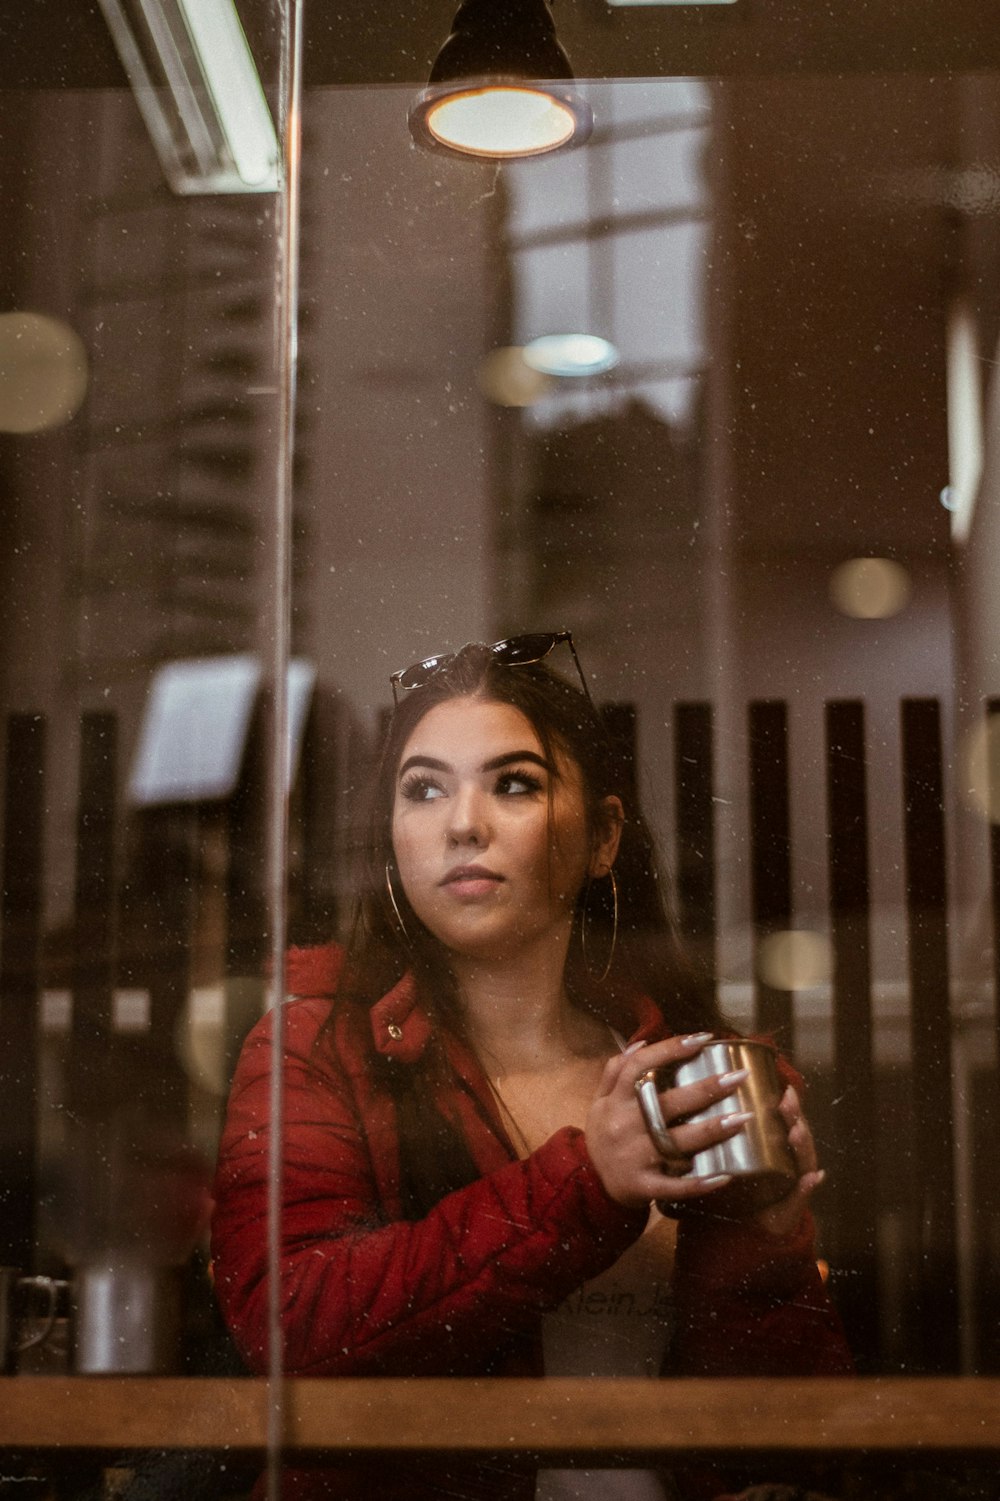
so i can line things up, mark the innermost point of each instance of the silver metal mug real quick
(759, 1157)
(126, 1318)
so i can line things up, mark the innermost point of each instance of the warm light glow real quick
(571, 354)
(870, 588)
(43, 372)
(507, 380)
(980, 768)
(501, 122)
(796, 959)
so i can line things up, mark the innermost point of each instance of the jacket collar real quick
(401, 1028)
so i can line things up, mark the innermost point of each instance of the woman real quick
(468, 1178)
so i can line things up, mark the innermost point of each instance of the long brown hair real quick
(647, 955)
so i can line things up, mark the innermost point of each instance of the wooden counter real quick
(869, 1415)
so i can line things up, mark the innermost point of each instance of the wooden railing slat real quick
(770, 856)
(852, 1237)
(21, 904)
(586, 1418)
(936, 1308)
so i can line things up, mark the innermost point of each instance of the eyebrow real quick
(510, 758)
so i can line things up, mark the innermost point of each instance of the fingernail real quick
(821, 1177)
(696, 1039)
(634, 1047)
(716, 1180)
(736, 1077)
(738, 1118)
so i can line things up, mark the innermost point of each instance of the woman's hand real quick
(630, 1167)
(783, 1218)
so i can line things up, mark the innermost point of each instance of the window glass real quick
(768, 518)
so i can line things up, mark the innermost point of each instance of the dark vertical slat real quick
(246, 900)
(314, 913)
(693, 793)
(623, 728)
(770, 855)
(926, 902)
(90, 1082)
(95, 876)
(854, 1230)
(20, 935)
(159, 907)
(992, 772)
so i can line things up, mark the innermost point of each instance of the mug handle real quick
(51, 1286)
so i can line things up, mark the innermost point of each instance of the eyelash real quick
(416, 788)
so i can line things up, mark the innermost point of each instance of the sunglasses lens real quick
(421, 672)
(522, 649)
(516, 651)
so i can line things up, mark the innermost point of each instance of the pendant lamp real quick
(501, 87)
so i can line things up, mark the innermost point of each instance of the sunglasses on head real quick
(516, 651)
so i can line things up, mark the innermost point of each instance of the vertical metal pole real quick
(280, 642)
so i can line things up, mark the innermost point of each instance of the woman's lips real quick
(471, 881)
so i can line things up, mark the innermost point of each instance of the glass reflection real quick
(804, 310)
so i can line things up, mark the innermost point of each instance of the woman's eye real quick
(421, 789)
(518, 784)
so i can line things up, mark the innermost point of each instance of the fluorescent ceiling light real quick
(966, 441)
(199, 92)
(570, 354)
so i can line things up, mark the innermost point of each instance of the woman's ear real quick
(607, 835)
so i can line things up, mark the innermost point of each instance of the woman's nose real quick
(469, 822)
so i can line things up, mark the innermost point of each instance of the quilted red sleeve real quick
(363, 1296)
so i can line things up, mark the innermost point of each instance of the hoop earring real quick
(395, 908)
(599, 979)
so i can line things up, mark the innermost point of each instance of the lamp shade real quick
(501, 86)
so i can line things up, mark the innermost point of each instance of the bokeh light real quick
(980, 768)
(43, 372)
(795, 959)
(507, 380)
(571, 355)
(870, 588)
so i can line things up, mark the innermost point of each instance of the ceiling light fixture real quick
(500, 87)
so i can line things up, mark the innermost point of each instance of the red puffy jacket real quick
(461, 1290)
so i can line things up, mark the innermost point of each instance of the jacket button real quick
(394, 1032)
